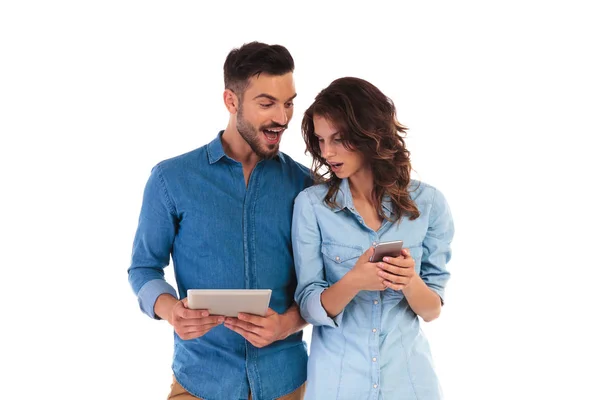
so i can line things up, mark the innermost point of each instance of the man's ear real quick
(231, 101)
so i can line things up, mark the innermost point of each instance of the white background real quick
(502, 102)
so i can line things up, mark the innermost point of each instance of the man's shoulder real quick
(294, 165)
(190, 159)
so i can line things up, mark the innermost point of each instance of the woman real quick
(366, 341)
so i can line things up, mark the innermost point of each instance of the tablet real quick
(230, 302)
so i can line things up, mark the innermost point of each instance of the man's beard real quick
(252, 136)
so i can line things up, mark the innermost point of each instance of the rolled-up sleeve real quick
(308, 261)
(152, 244)
(436, 246)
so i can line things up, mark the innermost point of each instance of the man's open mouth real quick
(273, 134)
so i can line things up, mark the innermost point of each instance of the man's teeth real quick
(272, 133)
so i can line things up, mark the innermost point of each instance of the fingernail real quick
(380, 264)
(205, 314)
(221, 319)
(386, 259)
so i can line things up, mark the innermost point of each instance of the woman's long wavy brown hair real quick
(366, 120)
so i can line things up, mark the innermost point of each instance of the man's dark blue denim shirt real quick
(223, 235)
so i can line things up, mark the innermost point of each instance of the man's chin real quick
(270, 152)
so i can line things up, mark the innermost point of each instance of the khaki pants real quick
(179, 393)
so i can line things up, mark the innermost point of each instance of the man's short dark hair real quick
(252, 59)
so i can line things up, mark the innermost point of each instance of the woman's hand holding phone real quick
(365, 273)
(397, 272)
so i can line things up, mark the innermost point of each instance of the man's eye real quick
(266, 105)
(289, 105)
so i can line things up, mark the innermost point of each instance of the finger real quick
(257, 319)
(399, 261)
(406, 252)
(246, 326)
(390, 268)
(253, 319)
(400, 271)
(250, 336)
(392, 278)
(270, 312)
(188, 313)
(394, 286)
(188, 334)
(213, 319)
(366, 256)
(255, 340)
(388, 277)
(259, 338)
(189, 330)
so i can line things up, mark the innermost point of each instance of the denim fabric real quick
(374, 349)
(222, 235)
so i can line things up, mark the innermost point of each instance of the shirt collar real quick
(344, 200)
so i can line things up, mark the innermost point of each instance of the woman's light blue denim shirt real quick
(374, 349)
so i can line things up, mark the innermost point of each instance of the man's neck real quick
(237, 148)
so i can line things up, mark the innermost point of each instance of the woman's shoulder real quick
(428, 198)
(422, 192)
(315, 192)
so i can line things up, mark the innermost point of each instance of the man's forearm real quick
(293, 321)
(164, 305)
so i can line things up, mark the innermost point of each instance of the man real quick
(223, 213)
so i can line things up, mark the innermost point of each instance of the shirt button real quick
(374, 243)
(337, 259)
(374, 359)
(375, 302)
(375, 386)
(374, 330)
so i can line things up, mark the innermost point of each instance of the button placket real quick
(374, 340)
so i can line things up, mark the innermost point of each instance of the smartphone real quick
(387, 249)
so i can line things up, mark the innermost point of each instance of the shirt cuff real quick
(149, 293)
(314, 313)
(438, 290)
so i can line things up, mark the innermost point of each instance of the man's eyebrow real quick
(272, 98)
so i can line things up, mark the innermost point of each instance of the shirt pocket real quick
(339, 259)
